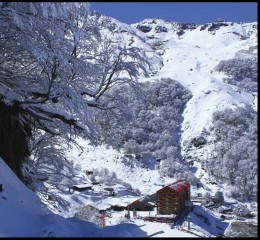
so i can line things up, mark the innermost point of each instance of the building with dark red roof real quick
(146, 203)
(171, 198)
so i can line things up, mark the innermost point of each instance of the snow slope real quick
(22, 215)
(106, 157)
(188, 53)
(190, 58)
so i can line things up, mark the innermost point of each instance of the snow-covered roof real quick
(84, 185)
(178, 185)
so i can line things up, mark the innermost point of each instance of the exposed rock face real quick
(242, 230)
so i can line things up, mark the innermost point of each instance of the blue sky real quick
(185, 12)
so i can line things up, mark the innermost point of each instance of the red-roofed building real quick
(171, 198)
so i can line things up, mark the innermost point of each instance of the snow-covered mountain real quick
(190, 53)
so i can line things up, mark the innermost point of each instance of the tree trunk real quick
(13, 137)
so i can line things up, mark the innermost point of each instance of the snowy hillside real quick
(190, 53)
(22, 215)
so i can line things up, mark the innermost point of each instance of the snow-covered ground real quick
(104, 157)
(144, 179)
(22, 215)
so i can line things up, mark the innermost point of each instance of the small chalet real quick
(82, 187)
(142, 204)
(171, 198)
(118, 207)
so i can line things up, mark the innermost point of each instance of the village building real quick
(171, 198)
(82, 187)
(142, 204)
(118, 207)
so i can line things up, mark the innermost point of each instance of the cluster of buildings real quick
(170, 199)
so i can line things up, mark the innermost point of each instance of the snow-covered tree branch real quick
(53, 69)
